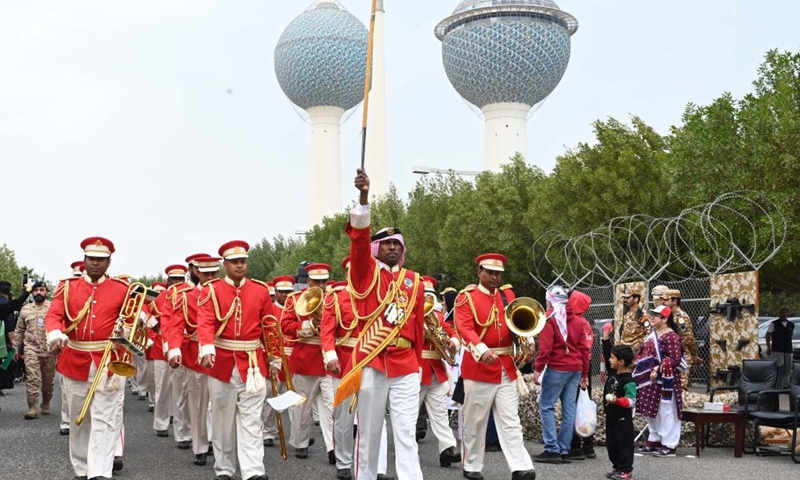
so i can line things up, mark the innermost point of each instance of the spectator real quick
(619, 394)
(658, 376)
(779, 344)
(39, 363)
(8, 307)
(563, 351)
(583, 448)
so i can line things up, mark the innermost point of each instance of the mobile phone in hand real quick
(24, 279)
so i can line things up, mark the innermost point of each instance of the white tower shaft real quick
(325, 166)
(377, 167)
(506, 133)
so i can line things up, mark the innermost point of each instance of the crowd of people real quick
(217, 348)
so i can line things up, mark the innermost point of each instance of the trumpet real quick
(434, 332)
(526, 319)
(134, 343)
(309, 304)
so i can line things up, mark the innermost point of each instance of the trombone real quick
(134, 343)
(434, 332)
(273, 340)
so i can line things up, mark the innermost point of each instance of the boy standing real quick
(620, 398)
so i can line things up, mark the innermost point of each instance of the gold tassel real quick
(523, 389)
(350, 385)
(250, 386)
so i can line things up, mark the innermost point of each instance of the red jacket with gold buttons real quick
(339, 329)
(306, 358)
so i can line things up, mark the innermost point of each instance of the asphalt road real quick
(33, 449)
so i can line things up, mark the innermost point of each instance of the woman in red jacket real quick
(565, 354)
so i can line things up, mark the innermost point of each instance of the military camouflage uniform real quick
(634, 329)
(40, 365)
(688, 342)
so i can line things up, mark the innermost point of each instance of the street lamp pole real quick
(419, 170)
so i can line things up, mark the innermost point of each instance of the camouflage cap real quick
(659, 291)
(632, 291)
(669, 294)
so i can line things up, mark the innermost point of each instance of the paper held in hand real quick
(286, 400)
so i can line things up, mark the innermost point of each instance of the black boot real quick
(343, 474)
(200, 459)
(117, 464)
(523, 475)
(449, 456)
(301, 453)
(331, 457)
(473, 475)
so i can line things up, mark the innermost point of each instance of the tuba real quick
(526, 319)
(309, 304)
(434, 332)
(130, 333)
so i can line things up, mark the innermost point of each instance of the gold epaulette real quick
(120, 281)
(67, 279)
(213, 280)
(507, 286)
(263, 284)
(468, 289)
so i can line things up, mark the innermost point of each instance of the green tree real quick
(10, 271)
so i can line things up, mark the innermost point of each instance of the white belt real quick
(346, 342)
(310, 340)
(431, 355)
(238, 345)
(503, 350)
(95, 346)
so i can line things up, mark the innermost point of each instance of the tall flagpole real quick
(368, 82)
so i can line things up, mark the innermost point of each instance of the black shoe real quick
(343, 474)
(268, 442)
(383, 476)
(142, 398)
(83, 477)
(200, 459)
(493, 447)
(185, 444)
(222, 477)
(590, 453)
(473, 475)
(100, 478)
(421, 434)
(316, 423)
(311, 442)
(117, 464)
(547, 457)
(301, 453)
(523, 475)
(162, 433)
(577, 455)
(151, 409)
(332, 457)
(134, 392)
(355, 431)
(258, 477)
(565, 458)
(449, 456)
(64, 431)
(611, 474)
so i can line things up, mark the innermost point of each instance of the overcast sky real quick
(160, 124)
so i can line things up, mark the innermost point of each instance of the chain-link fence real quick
(695, 301)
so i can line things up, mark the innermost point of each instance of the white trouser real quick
(666, 427)
(151, 383)
(236, 417)
(311, 387)
(64, 402)
(92, 443)
(435, 398)
(181, 428)
(139, 380)
(120, 427)
(402, 394)
(268, 414)
(343, 422)
(162, 395)
(197, 389)
(503, 399)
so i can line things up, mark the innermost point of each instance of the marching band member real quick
(489, 372)
(159, 377)
(283, 286)
(230, 332)
(180, 324)
(388, 299)
(435, 383)
(77, 272)
(308, 368)
(81, 318)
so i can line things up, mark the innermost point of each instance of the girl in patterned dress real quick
(659, 365)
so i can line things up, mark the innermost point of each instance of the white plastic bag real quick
(585, 415)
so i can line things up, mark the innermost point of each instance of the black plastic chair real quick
(757, 376)
(781, 418)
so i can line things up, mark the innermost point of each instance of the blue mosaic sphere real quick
(498, 51)
(321, 58)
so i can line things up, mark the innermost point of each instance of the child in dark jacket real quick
(619, 400)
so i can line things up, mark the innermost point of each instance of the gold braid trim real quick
(235, 305)
(376, 274)
(74, 322)
(348, 329)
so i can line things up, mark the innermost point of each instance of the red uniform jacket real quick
(393, 361)
(180, 324)
(432, 367)
(245, 323)
(156, 352)
(306, 357)
(497, 334)
(103, 301)
(334, 329)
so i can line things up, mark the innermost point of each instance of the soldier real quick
(180, 335)
(489, 372)
(80, 321)
(308, 368)
(77, 271)
(230, 333)
(658, 292)
(40, 365)
(634, 327)
(283, 286)
(672, 299)
(435, 382)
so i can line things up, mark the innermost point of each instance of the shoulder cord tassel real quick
(521, 386)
